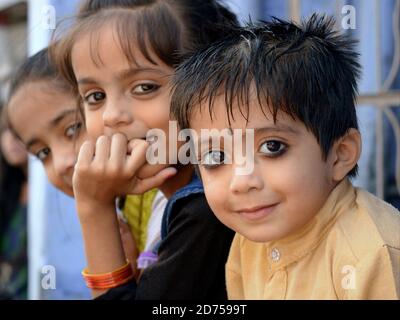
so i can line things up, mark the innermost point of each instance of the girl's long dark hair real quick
(11, 181)
(171, 29)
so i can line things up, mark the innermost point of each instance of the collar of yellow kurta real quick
(293, 247)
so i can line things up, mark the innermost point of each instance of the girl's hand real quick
(106, 170)
(130, 248)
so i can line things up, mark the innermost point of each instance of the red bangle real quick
(108, 280)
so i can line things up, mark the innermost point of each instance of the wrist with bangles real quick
(109, 280)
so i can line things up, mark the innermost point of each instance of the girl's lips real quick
(257, 213)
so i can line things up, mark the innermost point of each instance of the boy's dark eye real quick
(213, 159)
(145, 88)
(95, 97)
(273, 148)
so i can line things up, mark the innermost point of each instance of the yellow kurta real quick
(137, 211)
(350, 250)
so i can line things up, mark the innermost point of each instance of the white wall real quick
(54, 236)
(246, 8)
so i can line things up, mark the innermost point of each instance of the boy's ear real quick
(346, 153)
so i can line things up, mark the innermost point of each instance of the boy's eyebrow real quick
(122, 75)
(276, 128)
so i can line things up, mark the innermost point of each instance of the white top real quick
(154, 224)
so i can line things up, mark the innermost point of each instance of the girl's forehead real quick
(90, 49)
(106, 47)
(36, 103)
(41, 93)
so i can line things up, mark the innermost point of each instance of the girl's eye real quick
(213, 159)
(95, 97)
(273, 148)
(145, 88)
(73, 130)
(43, 154)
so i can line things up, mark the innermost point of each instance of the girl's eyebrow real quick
(58, 118)
(53, 123)
(30, 143)
(123, 74)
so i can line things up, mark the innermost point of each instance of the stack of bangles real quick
(108, 280)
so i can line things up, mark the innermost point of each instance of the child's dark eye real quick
(273, 148)
(213, 159)
(73, 130)
(42, 154)
(145, 88)
(95, 97)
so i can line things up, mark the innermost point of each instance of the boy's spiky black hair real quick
(308, 71)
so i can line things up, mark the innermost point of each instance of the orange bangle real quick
(108, 280)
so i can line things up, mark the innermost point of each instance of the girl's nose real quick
(116, 114)
(64, 163)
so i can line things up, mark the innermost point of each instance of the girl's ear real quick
(346, 153)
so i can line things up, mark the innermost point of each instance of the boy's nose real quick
(242, 183)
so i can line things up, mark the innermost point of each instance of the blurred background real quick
(54, 252)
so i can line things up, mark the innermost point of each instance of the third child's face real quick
(288, 186)
(46, 120)
(120, 97)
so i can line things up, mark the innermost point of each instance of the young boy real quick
(303, 230)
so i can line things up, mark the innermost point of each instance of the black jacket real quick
(192, 257)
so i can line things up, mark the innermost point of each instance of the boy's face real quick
(288, 186)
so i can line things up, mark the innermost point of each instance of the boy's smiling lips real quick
(258, 212)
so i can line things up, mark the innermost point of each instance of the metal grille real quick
(385, 98)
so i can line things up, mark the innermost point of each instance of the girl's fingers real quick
(102, 152)
(154, 181)
(137, 158)
(86, 153)
(119, 147)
